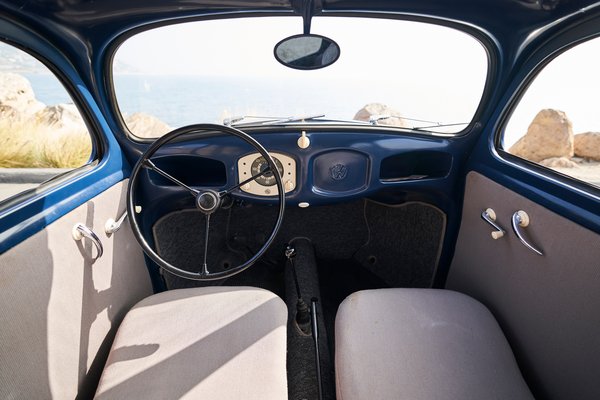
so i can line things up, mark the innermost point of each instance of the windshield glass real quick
(390, 72)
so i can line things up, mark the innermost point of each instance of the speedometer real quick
(267, 179)
(265, 185)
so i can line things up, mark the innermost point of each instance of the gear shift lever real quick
(302, 310)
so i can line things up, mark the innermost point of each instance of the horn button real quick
(208, 201)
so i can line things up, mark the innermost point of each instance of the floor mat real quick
(400, 244)
(404, 243)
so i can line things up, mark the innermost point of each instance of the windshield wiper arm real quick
(293, 119)
(290, 120)
(434, 124)
(269, 120)
(373, 119)
(234, 120)
(422, 128)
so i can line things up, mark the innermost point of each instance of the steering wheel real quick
(207, 201)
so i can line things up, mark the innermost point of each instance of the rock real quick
(146, 126)
(8, 113)
(559, 162)
(381, 110)
(587, 145)
(16, 92)
(61, 118)
(549, 135)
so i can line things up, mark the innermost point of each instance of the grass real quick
(27, 144)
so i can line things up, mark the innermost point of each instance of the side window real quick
(42, 133)
(557, 122)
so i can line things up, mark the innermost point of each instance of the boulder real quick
(559, 162)
(549, 135)
(17, 93)
(61, 118)
(378, 110)
(146, 126)
(587, 145)
(8, 113)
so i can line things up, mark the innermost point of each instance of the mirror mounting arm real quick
(307, 8)
(307, 15)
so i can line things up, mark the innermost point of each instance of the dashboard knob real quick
(303, 141)
(288, 185)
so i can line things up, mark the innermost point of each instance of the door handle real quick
(520, 219)
(80, 231)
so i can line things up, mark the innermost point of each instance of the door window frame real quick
(564, 195)
(530, 166)
(28, 213)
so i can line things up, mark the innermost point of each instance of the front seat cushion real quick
(422, 344)
(200, 343)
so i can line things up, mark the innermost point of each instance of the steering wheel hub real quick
(208, 201)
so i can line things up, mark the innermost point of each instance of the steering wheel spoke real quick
(242, 183)
(206, 233)
(148, 164)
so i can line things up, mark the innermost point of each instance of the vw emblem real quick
(338, 172)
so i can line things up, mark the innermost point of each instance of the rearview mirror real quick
(307, 51)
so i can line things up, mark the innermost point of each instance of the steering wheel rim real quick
(142, 163)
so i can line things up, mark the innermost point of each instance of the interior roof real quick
(87, 18)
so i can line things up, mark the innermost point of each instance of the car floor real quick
(339, 250)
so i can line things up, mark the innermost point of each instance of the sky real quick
(364, 42)
(430, 67)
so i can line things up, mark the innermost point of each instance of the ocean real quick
(183, 100)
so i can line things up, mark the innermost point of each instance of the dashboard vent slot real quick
(415, 165)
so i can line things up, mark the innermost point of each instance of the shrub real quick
(26, 144)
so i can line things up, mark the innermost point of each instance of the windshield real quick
(390, 72)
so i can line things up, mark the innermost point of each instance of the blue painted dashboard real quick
(374, 164)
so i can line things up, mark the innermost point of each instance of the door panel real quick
(548, 306)
(60, 307)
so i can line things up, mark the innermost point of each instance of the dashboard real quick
(316, 166)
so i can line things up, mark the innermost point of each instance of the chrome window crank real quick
(489, 216)
(112, 226)
(80, 231)
(520, 219)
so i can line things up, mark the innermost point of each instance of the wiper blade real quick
(425, 128)
(266, 121)
(293, 119)
(373, 119)
(234, 120)
(433, 124)
(315, 118)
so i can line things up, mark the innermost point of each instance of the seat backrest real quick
(59, 308)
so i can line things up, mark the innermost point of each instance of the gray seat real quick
(422, 344)
(200, 343)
